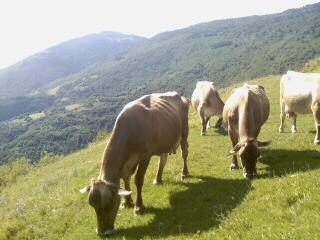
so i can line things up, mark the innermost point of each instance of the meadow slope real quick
(283, 203)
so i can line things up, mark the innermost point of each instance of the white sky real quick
(29, 26)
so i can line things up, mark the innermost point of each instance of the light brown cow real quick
(244, 113)
(300, 93)
(154, 124)
(207, 102)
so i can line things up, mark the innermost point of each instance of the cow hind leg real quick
(128, 202)
(234, 140)
(162, 163)
(139, 179)
(316, 114)
(185, 152)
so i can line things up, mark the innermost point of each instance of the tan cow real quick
(300, 93)
(245, 111)
(207, 102)
(154, 124)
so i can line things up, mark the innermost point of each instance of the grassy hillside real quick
(225, 52)
(43, 202)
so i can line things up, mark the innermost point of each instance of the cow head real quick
(249, 153)
(104, 197)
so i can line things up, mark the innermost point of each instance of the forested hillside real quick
(62, 60)
(224, 52)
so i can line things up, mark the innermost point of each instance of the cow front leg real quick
(219, 123)
(234, 140)
(139, 179)
(294, 122)
(208, 123)
(128, 202)
(316, 114)
(162, 163)
(184, 151)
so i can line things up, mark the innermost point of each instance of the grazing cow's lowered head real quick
(245, 112)
(249, 153)
(104, 197)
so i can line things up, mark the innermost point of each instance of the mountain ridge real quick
(61, 60)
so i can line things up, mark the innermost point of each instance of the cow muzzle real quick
(106, 233)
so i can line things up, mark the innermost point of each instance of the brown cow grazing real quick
(244, 113)
(207, 102)
(152, 125)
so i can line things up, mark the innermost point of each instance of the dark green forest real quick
(224, 51)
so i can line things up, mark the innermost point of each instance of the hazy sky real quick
(29, 26)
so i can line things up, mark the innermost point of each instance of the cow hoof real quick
(280, 130)
(202, 134)
(138, 210)
(157, 182)
(293, 130)
(184, 176)
(106, 233)
(250, 176)
(316, 141)
(233, 167)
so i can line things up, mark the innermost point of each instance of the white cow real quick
(300, 93)
(207, 102)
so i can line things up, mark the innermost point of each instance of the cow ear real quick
(263, 144)
(262, 87)
(85, 189)
(235, 149)
(122, 192)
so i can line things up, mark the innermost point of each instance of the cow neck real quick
(113, 159)
(246, 120)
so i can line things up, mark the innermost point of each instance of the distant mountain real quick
(224, 51)
(62, 60)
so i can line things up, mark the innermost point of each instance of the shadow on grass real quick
(215, 131)
(283, 161)
(200, 207)
(221, 131)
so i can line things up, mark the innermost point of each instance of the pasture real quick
(43, 202)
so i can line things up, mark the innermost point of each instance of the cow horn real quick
(85, 189)
(122, 192)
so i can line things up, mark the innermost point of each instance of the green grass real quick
(283, 203)
(36, 116)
